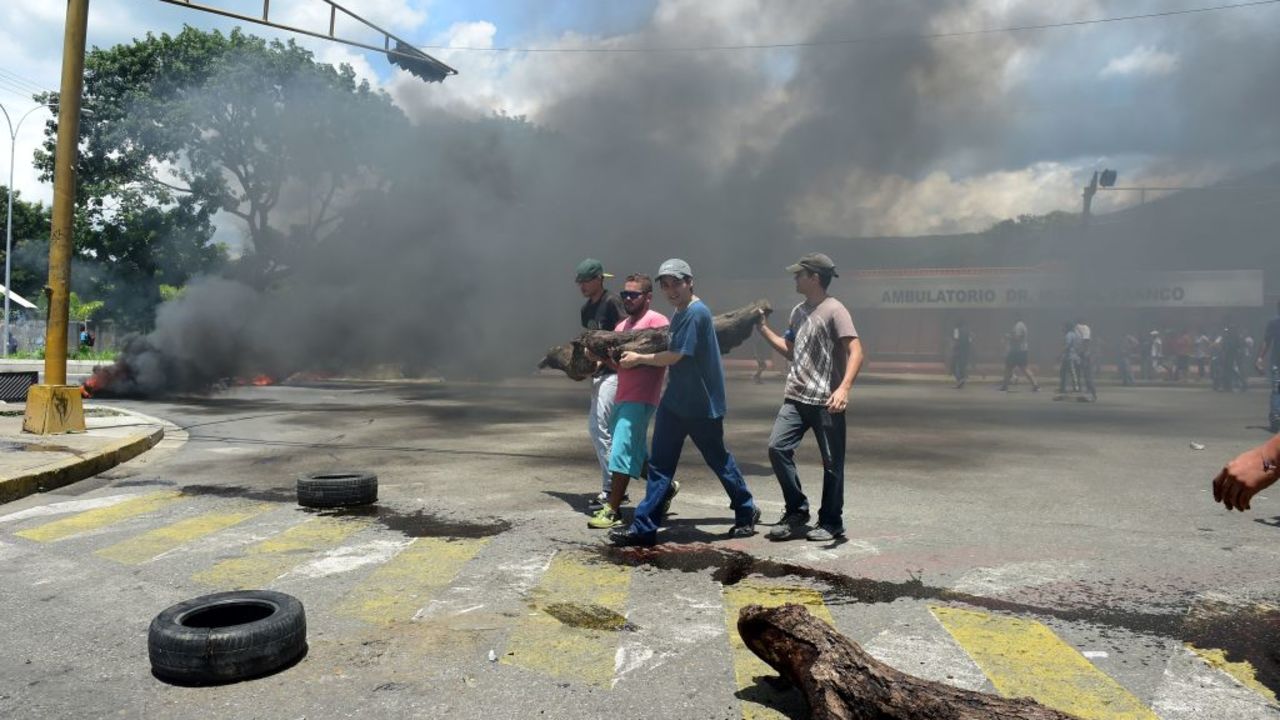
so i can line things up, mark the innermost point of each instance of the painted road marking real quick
(1243, 672)
(1194, 690)
(401, 586)
(60, 508)
(758, 698)
(577, 613)
(149, 545)
(918, 645)
(1025, 658)
(99, 517)
(275, 556)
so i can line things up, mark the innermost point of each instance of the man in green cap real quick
(602, 311)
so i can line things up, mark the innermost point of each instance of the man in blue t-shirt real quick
(1268, 363)
(692, 406)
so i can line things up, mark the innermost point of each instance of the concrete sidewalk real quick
(38, 463)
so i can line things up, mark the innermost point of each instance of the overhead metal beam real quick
(404, 51)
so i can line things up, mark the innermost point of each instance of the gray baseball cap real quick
(814, 262)
(676, 268)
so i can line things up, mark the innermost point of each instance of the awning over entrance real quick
(16, 298)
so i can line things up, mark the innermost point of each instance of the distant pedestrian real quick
(639, 389)
(1232, 346)
(1201, 356)
(1085, 339)
(826, 355)
(692, 406)
(602, 311)
(1268, 363)
(1068, 368)
(1016, 358)
(1183, 347)
(1155, 355)
(1129, 349)
(961, 343)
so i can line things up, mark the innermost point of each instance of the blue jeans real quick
(1274, 416)
(669, 432)
(793, 420)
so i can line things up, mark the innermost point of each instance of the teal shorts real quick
(629, 431)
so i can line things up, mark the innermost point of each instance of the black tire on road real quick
(337, 489)
(227, 636)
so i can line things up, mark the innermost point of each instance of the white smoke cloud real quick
(1142, 61)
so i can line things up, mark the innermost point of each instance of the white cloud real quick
(1143, 60)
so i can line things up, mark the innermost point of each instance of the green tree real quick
(201, 122)
(30, 232)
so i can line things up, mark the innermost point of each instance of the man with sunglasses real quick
(639, 389)
(692, 406)
(602, 311)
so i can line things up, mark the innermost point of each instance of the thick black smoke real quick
(458, 257)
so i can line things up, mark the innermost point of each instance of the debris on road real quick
(840, 680)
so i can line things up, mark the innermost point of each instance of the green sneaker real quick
(604, 519)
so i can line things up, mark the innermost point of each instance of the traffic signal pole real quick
(53, 406)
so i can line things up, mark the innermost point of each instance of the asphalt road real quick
(1001, 542)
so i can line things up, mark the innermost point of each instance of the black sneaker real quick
(623, 537)
(789, 526)
(824, 534)
(665, 507)
(746, 531)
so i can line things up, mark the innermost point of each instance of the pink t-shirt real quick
(642, 384)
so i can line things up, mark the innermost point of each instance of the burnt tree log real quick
(732, 329)
(841, 681)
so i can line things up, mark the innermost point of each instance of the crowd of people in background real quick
(1226, 357)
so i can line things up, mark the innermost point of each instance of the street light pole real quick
(53, 406)
(8, 230)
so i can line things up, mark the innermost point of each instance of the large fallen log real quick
(841, 681)
(732, 329)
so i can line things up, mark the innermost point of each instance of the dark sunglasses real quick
(630, 294)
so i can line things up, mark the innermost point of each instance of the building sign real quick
(1200, 288)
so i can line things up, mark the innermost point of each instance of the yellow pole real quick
(55, 407)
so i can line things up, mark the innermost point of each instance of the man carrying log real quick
(692, 406)
(602, 311)
(639, 389)
(826, 354)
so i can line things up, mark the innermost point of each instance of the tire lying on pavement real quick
(227, 636)
(337, 489)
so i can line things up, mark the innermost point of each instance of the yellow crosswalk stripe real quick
(758, 699)
(273, 557)
(572, 629)
(99, 517)
(1025, 658)
(1243, 672)
(401, 586)
(150, 544)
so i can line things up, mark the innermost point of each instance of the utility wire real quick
(16, 79)
(861, 40)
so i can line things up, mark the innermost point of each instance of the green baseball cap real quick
(590, 269)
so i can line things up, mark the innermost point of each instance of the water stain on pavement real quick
(414, 524)
(1244, 634)
(8, 446)
(419, 523)
(278, 495)
(588, 616)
